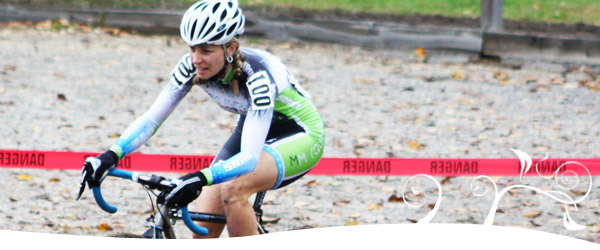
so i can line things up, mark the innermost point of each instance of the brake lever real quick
(84, 176)
(174, 212)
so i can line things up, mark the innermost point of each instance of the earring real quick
(229, 59)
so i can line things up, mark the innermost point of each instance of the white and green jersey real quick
(276, 115)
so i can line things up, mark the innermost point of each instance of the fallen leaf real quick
(301, 218)
(54, 179)
(578, 192)
(532, 214)
(351, 223)
(24, 177)
(415, 145)
(531, 80)
(373, 206)
(113, 31)
(445, 181)
(558, 81)
(104, 227)
(66, 194)
(10, 68)
(65, 126)
(355, 215)
(335, 184)
(270, 220)
(362, 80)
(421, 52)
(311, 183)
(341, 202)
(395, 198)
(458, 76)
(534, 224)
(501, 76)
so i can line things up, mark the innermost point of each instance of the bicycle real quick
(165, 217)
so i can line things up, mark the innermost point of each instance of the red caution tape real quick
(327, 166)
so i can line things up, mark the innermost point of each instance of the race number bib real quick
(259, 87)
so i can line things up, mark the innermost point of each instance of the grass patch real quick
(551, 11)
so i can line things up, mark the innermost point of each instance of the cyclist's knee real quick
(234, 191)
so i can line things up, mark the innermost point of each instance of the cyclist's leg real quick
(209, 201)
(276, 168)
(241, 220)
(231, 198)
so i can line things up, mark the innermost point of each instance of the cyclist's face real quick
(208, 60)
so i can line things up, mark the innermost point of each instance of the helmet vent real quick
(200, 5)
(193, 30)
(223, 15)
(212, 27)
(231, 29)
(203, 26)
(218, 36)
(216, 7)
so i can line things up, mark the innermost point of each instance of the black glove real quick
(187, 190)
(96, 168)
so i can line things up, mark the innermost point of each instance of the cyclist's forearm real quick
(234, 167)
(135, 136)
(146, 125)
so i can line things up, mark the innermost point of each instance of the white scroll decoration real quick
(564, 181)
(436, 207)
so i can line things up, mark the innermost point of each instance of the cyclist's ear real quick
(232, 48)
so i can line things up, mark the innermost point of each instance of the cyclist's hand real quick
(96, 168)
(187, 190)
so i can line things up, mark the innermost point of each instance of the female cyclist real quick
(279, 135)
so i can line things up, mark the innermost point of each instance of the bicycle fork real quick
(161, 225)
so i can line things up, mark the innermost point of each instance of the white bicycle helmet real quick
(213, 22)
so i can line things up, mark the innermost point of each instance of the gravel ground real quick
(78, 88)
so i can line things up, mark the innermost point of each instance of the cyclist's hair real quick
(237, 64)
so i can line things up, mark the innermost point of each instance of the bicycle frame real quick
(164, 215)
